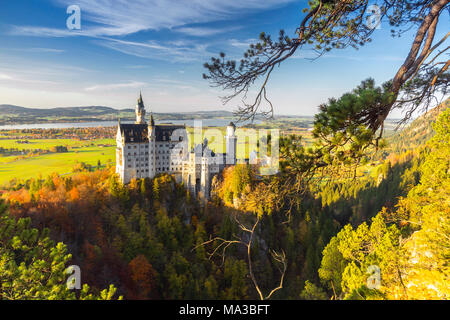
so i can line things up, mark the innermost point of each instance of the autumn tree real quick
(143, 275)
(426, 212)
(32, 267)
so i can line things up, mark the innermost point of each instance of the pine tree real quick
(156, 189)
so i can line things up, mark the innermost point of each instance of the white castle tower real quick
(205, 182)
(152, 147)
(231, 144)
(140, 111)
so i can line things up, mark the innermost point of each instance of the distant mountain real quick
(11, 114)
(62, 112)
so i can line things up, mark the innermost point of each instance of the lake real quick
(189, 123)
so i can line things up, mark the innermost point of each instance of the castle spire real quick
(152, 122)
(140, 110)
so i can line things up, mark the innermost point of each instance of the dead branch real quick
(224, 244)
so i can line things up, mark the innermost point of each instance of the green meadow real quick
(89, 152)
(45, 144)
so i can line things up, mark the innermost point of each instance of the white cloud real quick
(15, 80)
(123, 17)
(204, 31)
(4, 76)
(175, 51)
(242, 43)
(114, 86)
(137, 67)
(37, 50)
(17, 67)
(105, 20)
(44, 32)
(44, 50)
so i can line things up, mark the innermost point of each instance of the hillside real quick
(11, 114)
(416, 133)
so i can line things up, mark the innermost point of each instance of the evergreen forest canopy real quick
(152, 239)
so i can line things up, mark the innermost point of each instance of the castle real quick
(146, 150)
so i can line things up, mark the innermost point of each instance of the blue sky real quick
(159, 47)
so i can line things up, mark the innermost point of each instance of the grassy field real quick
(88, 152)
(45, 144)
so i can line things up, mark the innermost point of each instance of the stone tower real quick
(231, 144)
(140, 111)
(152, 147)
(205, 177)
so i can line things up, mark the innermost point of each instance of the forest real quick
(151, 239)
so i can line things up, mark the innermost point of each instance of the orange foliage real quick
(21, 196)
(143, 275)
(74, 194)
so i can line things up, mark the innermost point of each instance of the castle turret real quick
(152, 122)
(205, 177)
(231, 144)
(140, 111)
(120, 159)
(152, 147)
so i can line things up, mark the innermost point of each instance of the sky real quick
(159, 47)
